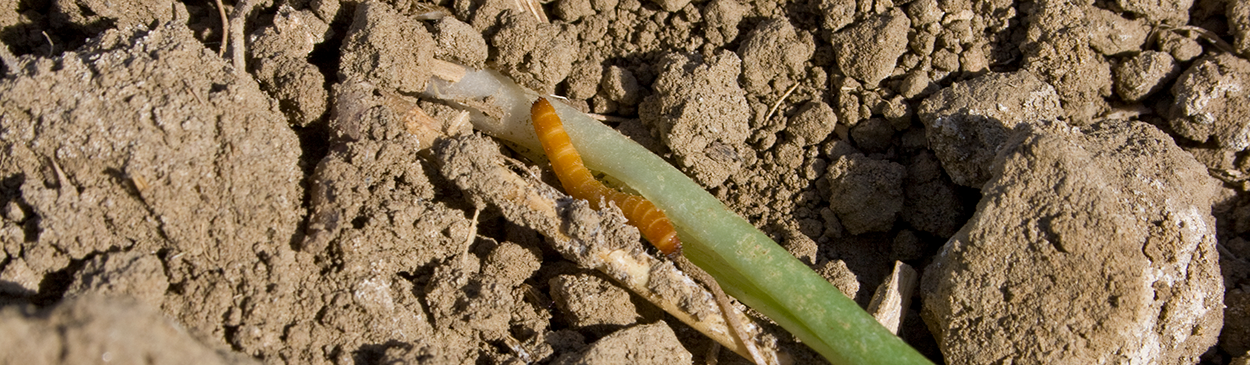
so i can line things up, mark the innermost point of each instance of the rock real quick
(869, 49)
(387, 49)
(917, 84)
(891, 300)
(620, 85)
(583, 80)
(922, 44)
(1175, 13)
(536, 55)
(1060, 54)
(969, 121)
(836, 272)
(460, 42)
(298, 85)
(945, 60)
(721, 19)
(873, 135)
(1113, 35)
(1211, 101)
(280, 62)
(95, 16)
(1089, 245)
(924, 12)
(773, 55)
(94, 330)
(294, 33)
(642, 344)
(145, 141)
(898, 112)
(974, 60)
(1182, 48)
(702, 115)
(510, 263)
(1143, 75)
(671, 5)
(124, 274)
(814, 121)
(866, 194)
(592, 303)
(836, 14)
(573, 10)
(1239, 24)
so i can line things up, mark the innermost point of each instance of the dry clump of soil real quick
(1031, 152)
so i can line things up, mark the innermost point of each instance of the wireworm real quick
(579, 183)
(640, 212)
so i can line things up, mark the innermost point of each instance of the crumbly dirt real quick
(1156, 294)
(95, 329)
(284, 213)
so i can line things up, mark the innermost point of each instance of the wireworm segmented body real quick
(579, 183)
(640, 212)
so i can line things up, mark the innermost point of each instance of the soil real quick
(157, 201)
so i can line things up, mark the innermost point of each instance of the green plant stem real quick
(746, 263)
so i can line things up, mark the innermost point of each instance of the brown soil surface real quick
(271, 206)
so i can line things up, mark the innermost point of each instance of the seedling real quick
(746, 263)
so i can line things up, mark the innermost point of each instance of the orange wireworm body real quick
(579, 183)
(640, 212)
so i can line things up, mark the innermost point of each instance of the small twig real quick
(892, 298)
(533, 7)
(459, 124)
(424, 11)
(726, 308)
(140, 183)
(468, 240)
(448, 71)
(1129, 112)
(517, 348)
(418, 123)
(225, 29)
(238, 50)
(1204, 34)
(777, 104)
(191, 91)
(51, 46)
(61, 179)
(1224, 251)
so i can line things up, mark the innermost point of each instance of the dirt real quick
(1153, 244)
(95, 329)
(284, 212)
